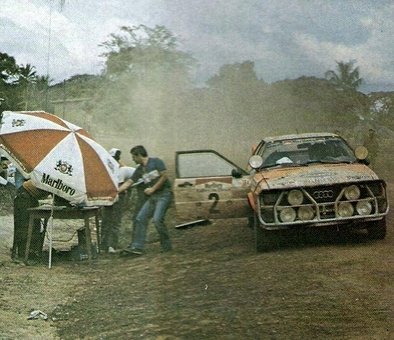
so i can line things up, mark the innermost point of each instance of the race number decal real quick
(215, 197)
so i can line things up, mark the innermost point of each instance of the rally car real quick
(314, 180)
(293, 181)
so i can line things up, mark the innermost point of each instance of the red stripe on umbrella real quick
(98, 181)
(39, 142)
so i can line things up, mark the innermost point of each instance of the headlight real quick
(306, 213)
(295, 197)
(269, 198)
(287, 215)
(364, 208)
(345, 209)
(352, 192)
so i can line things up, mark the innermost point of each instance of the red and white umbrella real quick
(59, 157)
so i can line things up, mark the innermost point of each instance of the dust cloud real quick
(229, 114)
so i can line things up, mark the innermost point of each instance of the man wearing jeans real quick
(155, 196)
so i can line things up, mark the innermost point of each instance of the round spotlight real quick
(364, 208)
(352, 192)
(295, 197)
(287, 215)
(255, 161)
(306, 213)
(345, 209)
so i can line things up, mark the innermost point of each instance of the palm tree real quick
(42, 83)
(40, 93)
(347, 78)
(27, 76)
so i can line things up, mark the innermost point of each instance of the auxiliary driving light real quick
(352, 192)
(345, 209)
(287, 215)
(255, 161)
(295, 197)
(364, 208)
(306, 213)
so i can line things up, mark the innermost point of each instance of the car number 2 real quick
(215, 197)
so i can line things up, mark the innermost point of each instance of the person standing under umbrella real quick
(112, 215)
(158, 196)
(27, 196)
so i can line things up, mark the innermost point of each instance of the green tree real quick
(8, 68)
(27, 77)
(239, 89)
(146, 54)
(235, 76)
(144, 72)
(39, 92)
(347, 76)
(27, 74)
(10, 98)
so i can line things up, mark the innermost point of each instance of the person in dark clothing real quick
(112, 215)
(27, 196)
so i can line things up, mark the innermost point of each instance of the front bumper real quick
(325, 206)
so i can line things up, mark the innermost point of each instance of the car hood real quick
(312, 175)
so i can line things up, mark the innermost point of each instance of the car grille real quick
(325, 202)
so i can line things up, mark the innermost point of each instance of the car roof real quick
(298, 136)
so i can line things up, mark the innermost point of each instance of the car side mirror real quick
(236, 173)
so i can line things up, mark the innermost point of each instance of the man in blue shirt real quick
(154, 196)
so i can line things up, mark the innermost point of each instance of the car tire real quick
(377, 229)
(265, 240)
(251, 222)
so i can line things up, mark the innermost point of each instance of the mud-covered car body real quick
(209, 186)
(313, 180)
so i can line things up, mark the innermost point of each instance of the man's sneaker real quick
(111, 250)
(132, 250)
(137, 251)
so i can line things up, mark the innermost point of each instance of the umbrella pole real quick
(50, 223)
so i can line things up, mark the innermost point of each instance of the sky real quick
(286, 39)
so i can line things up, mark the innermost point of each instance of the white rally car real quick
(293, 181)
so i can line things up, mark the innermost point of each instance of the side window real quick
(203, 164)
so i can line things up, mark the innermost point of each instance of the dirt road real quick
(212, 286)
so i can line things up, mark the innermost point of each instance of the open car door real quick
(209, 186)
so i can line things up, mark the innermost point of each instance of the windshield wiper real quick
(290, 165)
(326, 161)
(336, 161)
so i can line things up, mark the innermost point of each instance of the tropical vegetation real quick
(346, 78)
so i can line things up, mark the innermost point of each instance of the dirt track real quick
(213, 285)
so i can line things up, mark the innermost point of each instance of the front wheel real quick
(265, 240)
(377, 229)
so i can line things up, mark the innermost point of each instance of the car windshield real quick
(303, 151)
